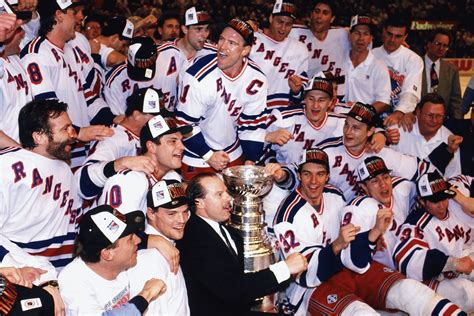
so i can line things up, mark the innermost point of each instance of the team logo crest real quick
(332, 298)
(113, 226)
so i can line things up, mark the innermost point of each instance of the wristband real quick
(52, 283)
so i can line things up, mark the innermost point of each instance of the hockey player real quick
(367, 78)
(405, 68)
(283, 60)
(347, 152)
(54, 71)
(435, 245)
(229, 90)
(179, 54)
(36, 179)
(145, 67)
(15, 89)
(308, 222)
(122, 150)
(395, 195)
(327, 46)
(161, 141)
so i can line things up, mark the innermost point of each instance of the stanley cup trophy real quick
(247, 185)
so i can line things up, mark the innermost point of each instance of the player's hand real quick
(95, 46)
(453, 143)
(296, 263)
(393, 119)
(31, 274)
(296, 83)
(94, 132)
(279, 137)
(147, 21)
(393, 134)
(377, 143)
(382, 223)
(153, 289)
(464, 265)
(347, 234)
(8, 25)
(276, 171)
(138, 163)
(381, 244)
(466, 202)
(59, 308)
(22, 276)
(219, 160)
(170, 252)
(407, 121)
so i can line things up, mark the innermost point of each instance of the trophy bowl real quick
(247, 181)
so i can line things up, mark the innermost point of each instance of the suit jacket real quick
(215, 279)
(449, 88)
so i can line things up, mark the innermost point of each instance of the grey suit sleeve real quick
(455, 101)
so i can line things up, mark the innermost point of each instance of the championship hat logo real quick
(112, 226)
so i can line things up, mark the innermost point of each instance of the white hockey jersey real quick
(305, 134)
(362, 212)
(327, 55)
(279, 61)
(228, 113)
(39, 205)
(405, 68)
(425, 242)
(90, 177)
(15, 92)
(343, 165)
(299, 227)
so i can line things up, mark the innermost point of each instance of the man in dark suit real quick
(212, 256)
(440, 76)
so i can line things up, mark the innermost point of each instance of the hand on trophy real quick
(276, 171)
(296, 263)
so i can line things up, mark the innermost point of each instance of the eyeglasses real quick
(440, 45)
(432, 116)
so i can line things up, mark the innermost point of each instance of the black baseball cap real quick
(160, 125)
(320, 83)
(433, 187)
(141, 61)
(100, 227)
(364, 113)
(371, 167)
(168, 194)
(284, 7)
(314, 155)
(145, 100)
(119, 25)
(243, 28)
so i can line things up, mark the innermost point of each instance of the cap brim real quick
(184, 130)
(180, 201)
(135, 222)
(440, 196)
(378, 172)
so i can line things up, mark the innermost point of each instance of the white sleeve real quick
(126, 191)
(39, 70)
(382, 86)
(411, 88)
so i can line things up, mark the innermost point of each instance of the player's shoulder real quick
(33, 47)
(292, 111)
(113, 73)
(255, 68)
(8, 151)
(363, 201)
(289, 207)
(336, 116)
(464, 183)
(332, 142)
(419, 217)
(168, 46)
(203, 66)
(210, 47)
(330, 189)
(399, 182)
(300, 26)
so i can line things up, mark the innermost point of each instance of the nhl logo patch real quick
(332, 298)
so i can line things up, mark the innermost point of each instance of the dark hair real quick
(35, 116)
(156, 141)
(331, 4)
(195, 190)
(168, 16)
(433, 97)
(437, 31)
(93, 18)
(398, 20)
(90, 257)
(47, 22)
